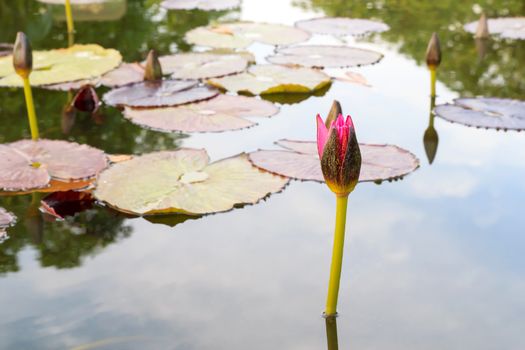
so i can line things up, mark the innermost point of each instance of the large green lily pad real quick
(63, 65)
(485, 112)
(320, 56)
(239, 35)
(221, 113)
(300, 161)
(342, 26)
(271, 79)
(506, 27)
(197, 65)
(184, 181)
(205, 5)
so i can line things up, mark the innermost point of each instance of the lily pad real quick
(205, 5)
(78, 62)
(6, 49)
(239, 35)
(159, 93)
(485, 112)
(300, 161)
(506, 27)
(270, 79)
(221, 113)
(30, 165)
(74, 2)
(183, 181)
(320, 56)
(202, 65)
(6, 218)
(342, 26)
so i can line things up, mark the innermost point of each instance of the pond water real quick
(431, 262)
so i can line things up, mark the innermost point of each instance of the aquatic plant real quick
(433, 58)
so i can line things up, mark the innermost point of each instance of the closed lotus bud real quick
(22, 55)
(153, 70)
(433, 55)
(86, 99)
(339, 153)
(482, 30)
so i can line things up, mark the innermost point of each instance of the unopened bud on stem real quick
(22, 55)
(153, 70)
(433, 55)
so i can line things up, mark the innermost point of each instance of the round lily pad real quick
(6, 218)
(29, 165)
(506, 27)
(202, 65)
(320, 56)
(183, 181)
(221, 113)
(62, 65)
(271, 79)
(239, 35)
(205, 5)
(159, 93)
(485, 112)
(342, 26)
(300, 161)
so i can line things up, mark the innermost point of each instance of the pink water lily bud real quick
(153, 69)
(433, 55)
(22, 55)
(339, 154)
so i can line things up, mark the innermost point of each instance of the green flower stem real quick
(69, 18)
(331, 333)
(33, 124)
(337, 256)
(433, 71)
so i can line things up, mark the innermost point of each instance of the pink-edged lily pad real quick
(321, 56)
(221, 113)
(342, 26)
(485, 112)
(505, 27)
(32, 165)
(300, 161)
(159, 93)
(202, 65)
(205, 5)
(184, 181)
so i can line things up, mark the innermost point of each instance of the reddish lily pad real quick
(62, 204)
(485, 112)
(506, 27)
(184, 181)
(320, 56)
(221, 113)
(300, 161)
(159, 93)
(205, 5)
(342, 26)
(31, 165)
(201, 65)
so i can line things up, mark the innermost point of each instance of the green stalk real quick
(331, 333)
(31, 114)
(433, 71)
(337, 256)
(69, 20)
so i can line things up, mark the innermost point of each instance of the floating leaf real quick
(320, 56)
(5, 49)
(78, 62)
(6, 218)
(62, 204)
(270, 79)
(29, 165)
(242, 34)
(202, 65)
(205, 5)
(485, 112)
(183, 181)
(159, 93)
(353, 77)
(342, 26)
(300, 161)
(507, 27)
(221, 113)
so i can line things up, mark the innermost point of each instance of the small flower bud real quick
(22, 55)
(153, 70)
(433, 55)
(86, 99)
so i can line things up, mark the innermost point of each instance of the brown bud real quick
(22, 55)
(153, 70)
(86, 99)
(482, 30)
(433, 55)
(430, 141)
(333, 114)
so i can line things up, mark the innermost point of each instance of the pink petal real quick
(322, 135)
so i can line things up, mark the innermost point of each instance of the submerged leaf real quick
(506, 27)
(320, 56)
(300, 161)
(159, 93)
(183, 181)
(269, 79)
(221, 113)
(485, 112)
(239, 35)
(202, 65)
(342, 26)
(63, 65)
(205, 5)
